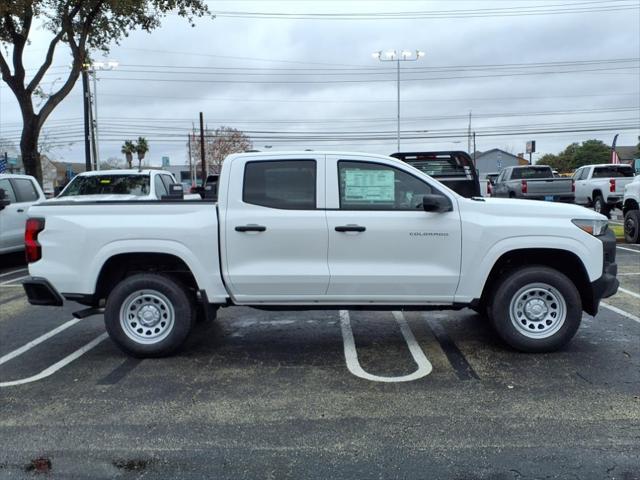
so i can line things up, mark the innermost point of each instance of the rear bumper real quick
(607, 284)
(40, 292)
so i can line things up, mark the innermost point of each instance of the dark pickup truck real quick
(455, 169)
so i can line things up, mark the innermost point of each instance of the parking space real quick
(307, 394)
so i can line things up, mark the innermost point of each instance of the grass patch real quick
(618, 230)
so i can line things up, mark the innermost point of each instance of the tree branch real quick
(47, 63)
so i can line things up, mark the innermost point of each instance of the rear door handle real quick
(250, 228)
(350, 228)
(20, 210)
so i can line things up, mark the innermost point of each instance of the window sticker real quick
(369, 185)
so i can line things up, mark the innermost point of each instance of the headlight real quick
(592, 227)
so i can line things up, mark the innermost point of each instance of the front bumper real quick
(40, 292)
(607, 284)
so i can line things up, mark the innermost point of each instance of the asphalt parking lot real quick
(321, 394)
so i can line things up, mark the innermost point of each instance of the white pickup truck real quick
(631, 210)
(602, 186)
(321, 230)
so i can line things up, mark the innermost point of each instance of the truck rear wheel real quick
(632, 226)
(536, 309)
(600, 206)
(149, 315)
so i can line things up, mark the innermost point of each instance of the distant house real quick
(627, 154)
(495, 160)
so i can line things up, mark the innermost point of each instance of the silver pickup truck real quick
(534, 183)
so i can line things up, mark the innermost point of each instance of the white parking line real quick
(628, 292)
(6, 282)
(628, 249)
(58, 365)
(625, 274)
(351, 354)
(619, 311)
(6, 274)
(37, 341)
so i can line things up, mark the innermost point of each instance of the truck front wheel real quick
(149, 315)
(536, 309)
(632, 226)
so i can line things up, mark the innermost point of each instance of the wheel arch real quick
(122, 265)
(563, 261)
(630, 204)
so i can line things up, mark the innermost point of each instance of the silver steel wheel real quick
(147, 316)
(538, 310)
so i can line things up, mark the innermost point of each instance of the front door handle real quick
(250, 228)
(20, 210)
(350, 228)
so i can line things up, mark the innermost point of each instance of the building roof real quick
(627, 153)
(494, 150)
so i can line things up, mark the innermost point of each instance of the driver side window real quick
(373, 186)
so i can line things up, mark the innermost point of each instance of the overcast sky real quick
(316, 74)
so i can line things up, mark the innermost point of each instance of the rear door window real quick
(25, 190)
(286, 184)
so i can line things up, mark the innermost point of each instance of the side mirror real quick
(436, 203)
(4, 200)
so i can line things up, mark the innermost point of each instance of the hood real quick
(101, 197)
(531, 208)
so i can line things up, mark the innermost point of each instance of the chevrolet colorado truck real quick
(321, 230)
(534, 182)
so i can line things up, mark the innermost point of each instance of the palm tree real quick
(142, 147)
(128, 148)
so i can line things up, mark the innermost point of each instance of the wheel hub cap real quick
(149, 315)
(535, 309)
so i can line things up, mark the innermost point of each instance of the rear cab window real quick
(138, 185)
(531, 173)
(282, 184)
(613, 171)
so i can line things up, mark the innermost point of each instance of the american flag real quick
(614, 155)
(3, 164)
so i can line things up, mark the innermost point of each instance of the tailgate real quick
(549, 186)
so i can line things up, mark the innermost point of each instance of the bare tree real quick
(219, 143)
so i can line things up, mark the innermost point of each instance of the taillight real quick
(489, 188)
(573, 186)
(612, 184)
(32, 248)
(524, 186)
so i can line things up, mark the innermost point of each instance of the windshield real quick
(108, 184)
(613, 171)
(531, 172)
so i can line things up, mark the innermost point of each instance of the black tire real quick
(512, 195)
(632, 226)
(600, 206)
(164, 299)
(536, 279)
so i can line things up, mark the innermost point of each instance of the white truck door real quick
(383, 246)
(22, 194)
(581, 186)
(275, 229)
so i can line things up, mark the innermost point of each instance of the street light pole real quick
(402, 56)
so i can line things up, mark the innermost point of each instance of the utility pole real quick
(469, 134)
(85, 104)
(202, 150)
(92, 124)
(190, 159)
(474, 150)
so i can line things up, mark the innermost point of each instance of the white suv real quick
(17, 194)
